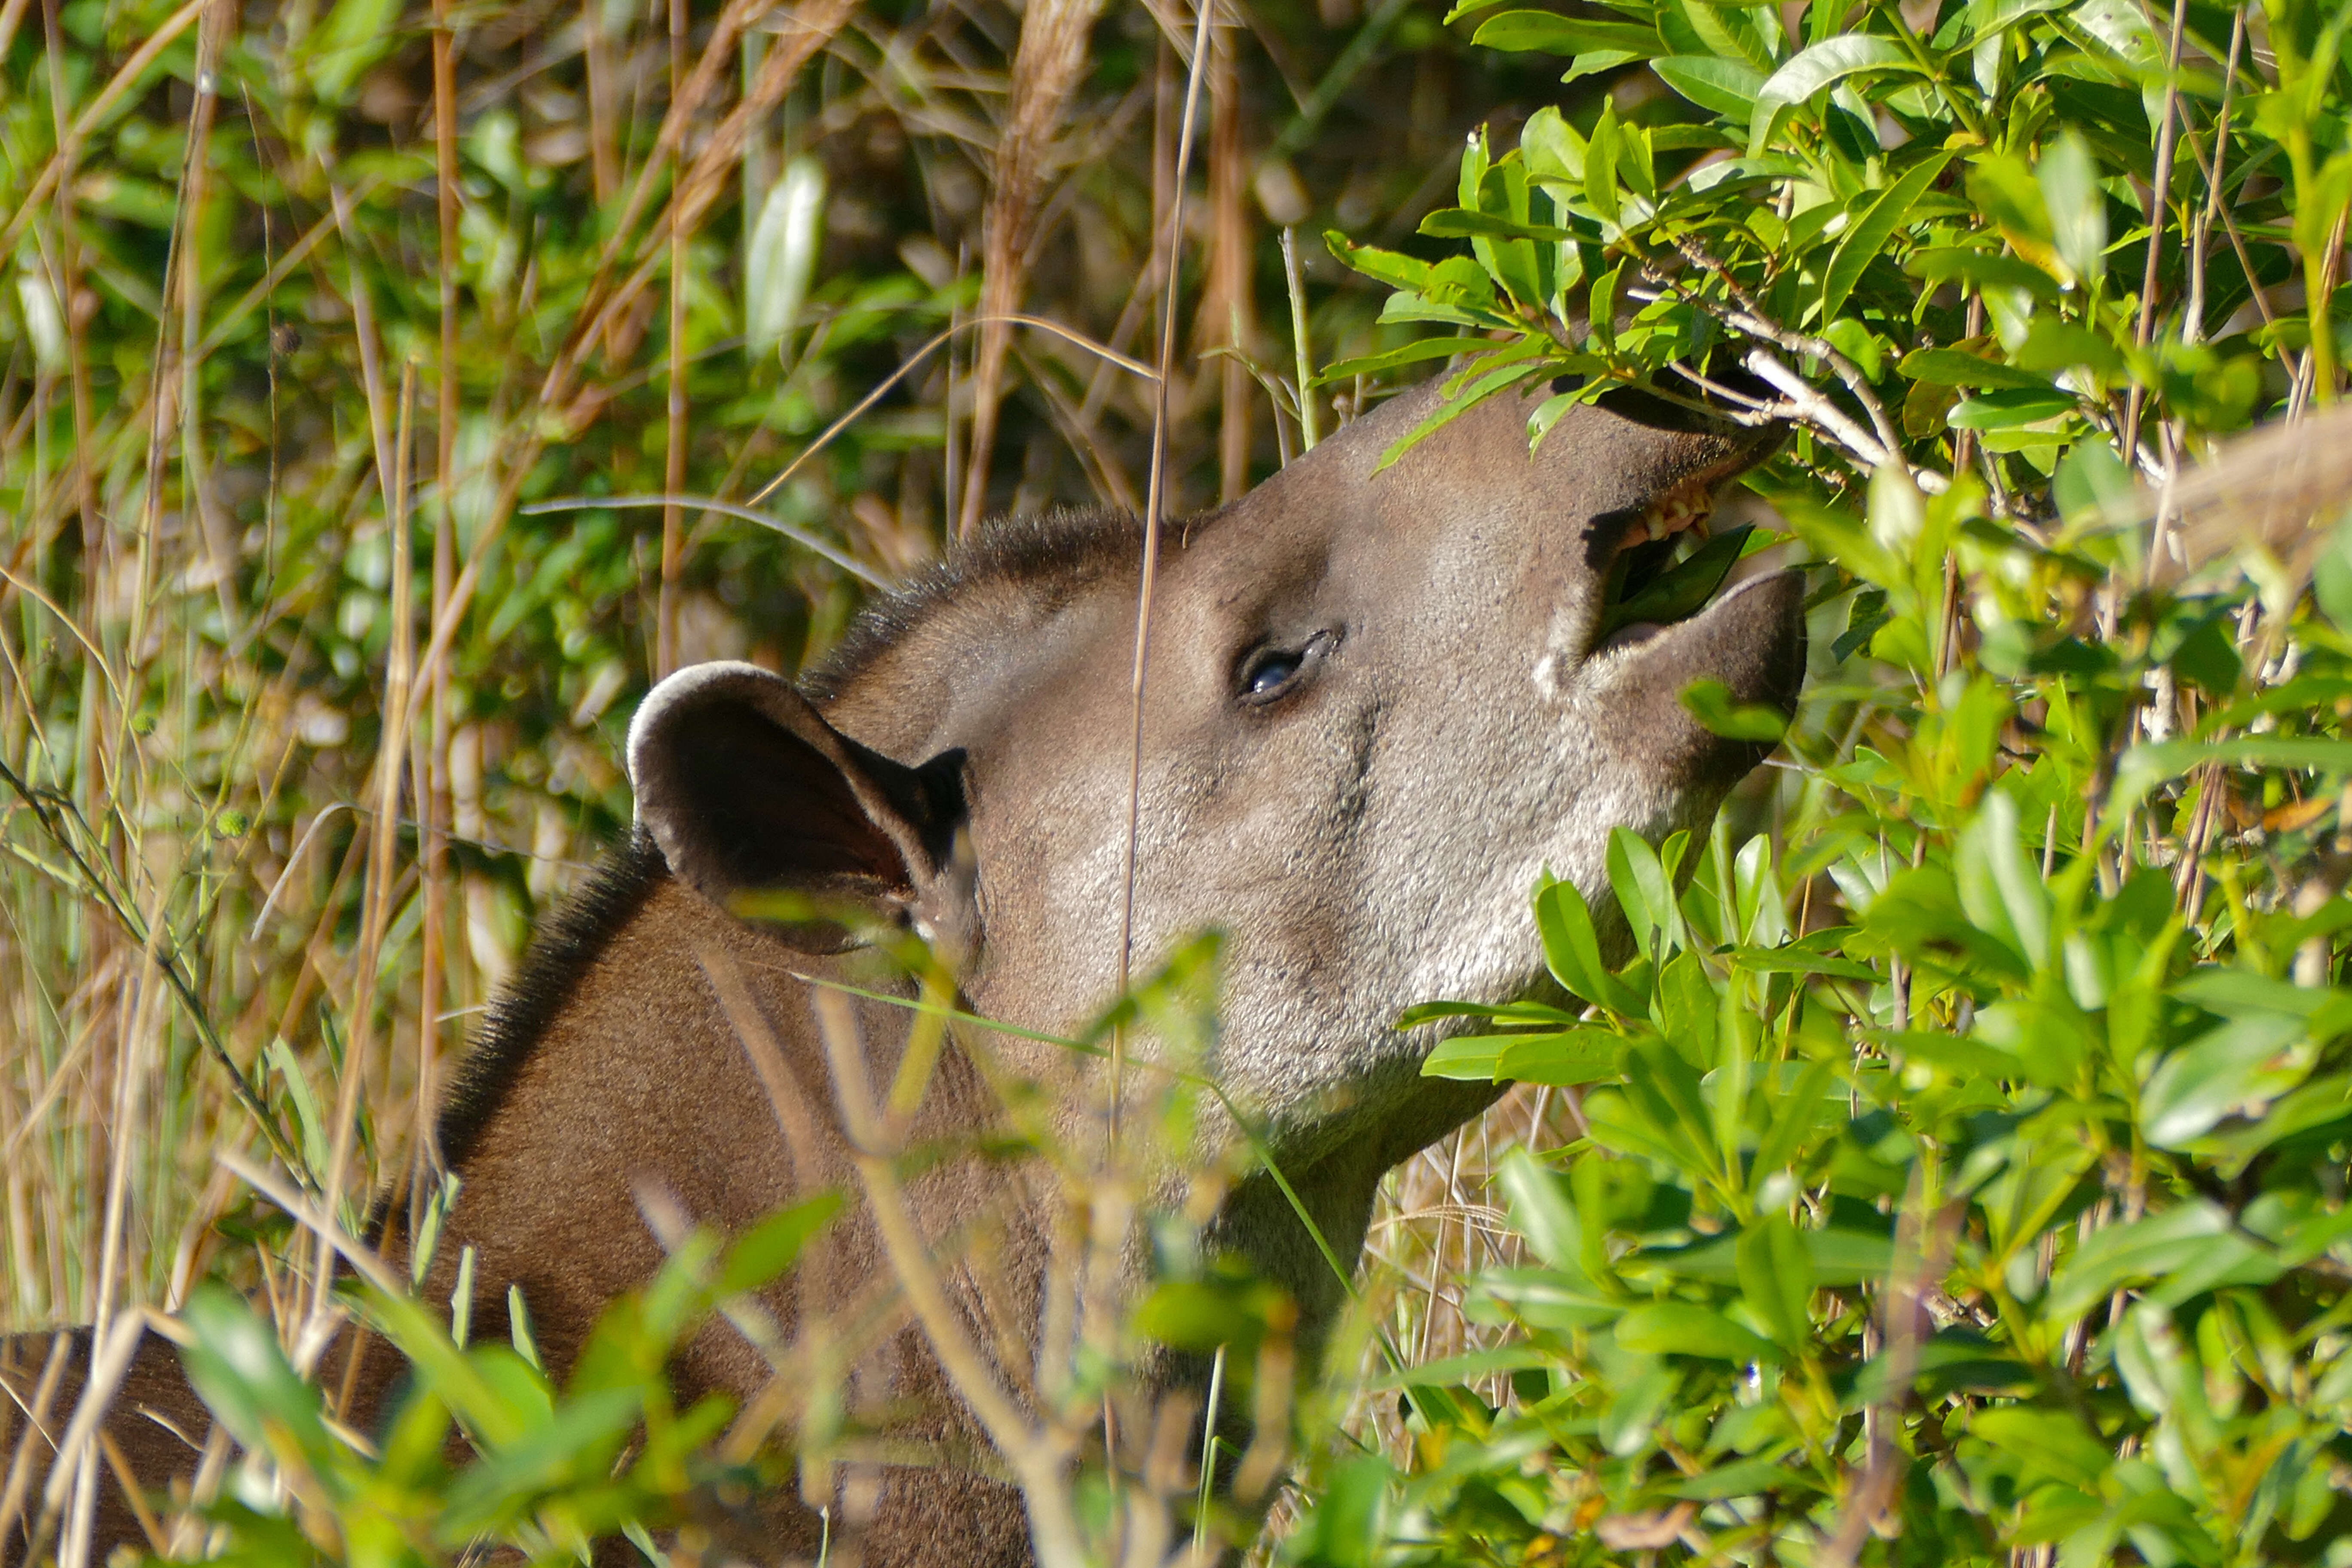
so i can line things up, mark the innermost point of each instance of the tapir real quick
(1382, 699)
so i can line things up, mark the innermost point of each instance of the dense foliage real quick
(1961, 1164)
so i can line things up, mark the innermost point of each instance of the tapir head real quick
(1379, 703)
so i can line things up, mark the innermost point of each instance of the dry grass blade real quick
(74, 1475)
(1045, 72)
(1154, 506)
(273, 818)
(35, 1411)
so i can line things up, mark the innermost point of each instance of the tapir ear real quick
(747, 790)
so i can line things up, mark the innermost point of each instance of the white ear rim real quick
(686, 685)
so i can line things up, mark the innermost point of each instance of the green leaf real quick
(1552, 149)
(1825, 64)
(2122, 26)
(2238, 1067)
(1382, 266)
(2077, 207)
(1571, 1056)
(1415, 353)
(1711, 703)
(1981, 269)
(1572, 948)
(2000, 890)
(1812, 69)
(2208, 658)
(576, 1445)
(1677, 592)
(1596, 61)
(1663, 1090)
(1860, 344)
(1466, 1058)
(2011, 408)
(1867, 239)
(1464, 1368)
(355, 35)
(1742, 1478)
(1729, 88)
(2052, 1447)
(236, 1367)
(1553, 34)
(1680, 1328)
(1600, 303)
(2148, 1248)
(1964, 1059)
(1985, 18)
(1531, 1013)
(1348, 1521)
(1542, 1212)
(1956, 1360)
(1458, 223)
(454, 1377)
(2237, 992)
(773, 1245)
(1454, 407)
(1793, 1120)
(1600, 154)
(1957, 367)
(1646, 895)
(2090, 479)
(1797, 960)
(1201, 1314)
(1776, 1275)
(308, 1124)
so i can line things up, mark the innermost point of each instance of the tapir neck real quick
(682, 1074)
(676, 1071)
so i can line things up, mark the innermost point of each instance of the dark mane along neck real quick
(561, 949)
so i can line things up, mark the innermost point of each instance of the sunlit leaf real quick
(1552, 33)
(1730, 88)
(1877, 224)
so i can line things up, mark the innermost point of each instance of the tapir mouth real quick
(1666, 562)
(1670, 617)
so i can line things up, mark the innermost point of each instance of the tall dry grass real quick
(309, 706)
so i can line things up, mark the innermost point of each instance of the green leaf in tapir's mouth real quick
(1661, 593)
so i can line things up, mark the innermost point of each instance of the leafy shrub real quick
(1959, 1163)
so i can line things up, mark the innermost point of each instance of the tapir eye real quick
(1270, 672)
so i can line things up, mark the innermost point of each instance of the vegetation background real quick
(1957, 1172)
